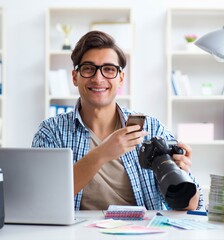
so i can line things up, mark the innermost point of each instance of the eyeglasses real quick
(88, 70)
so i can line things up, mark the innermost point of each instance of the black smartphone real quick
(136, 119)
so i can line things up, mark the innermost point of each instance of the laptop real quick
(38, 185)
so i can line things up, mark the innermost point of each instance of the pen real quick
(159, 214)
(196, 212)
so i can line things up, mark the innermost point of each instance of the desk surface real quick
(80, 231)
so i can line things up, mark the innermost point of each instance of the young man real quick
(106, 166)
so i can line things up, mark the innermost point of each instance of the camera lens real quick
(178, 196)
(175, 184)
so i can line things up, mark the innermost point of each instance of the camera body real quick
(2, 211)
(175, 184)
(157, 146)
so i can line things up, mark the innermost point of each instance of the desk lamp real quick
(213, 43)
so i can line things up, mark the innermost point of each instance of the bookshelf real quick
(202, 105)
(2, 75)
(109, 19)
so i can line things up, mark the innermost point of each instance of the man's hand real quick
(183, 161)
(121, 141)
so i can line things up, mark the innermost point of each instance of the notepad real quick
(125, 212)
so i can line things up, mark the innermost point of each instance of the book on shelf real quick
(58, 83)
(185, 85)
(57, 109)
(175, 75)
(180, 84)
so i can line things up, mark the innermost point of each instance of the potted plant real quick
(190, 38)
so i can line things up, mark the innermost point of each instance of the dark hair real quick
(97, 40)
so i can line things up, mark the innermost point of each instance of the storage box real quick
(187, 132)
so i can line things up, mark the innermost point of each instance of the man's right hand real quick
(121, 141)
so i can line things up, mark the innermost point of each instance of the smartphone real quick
(136, 119)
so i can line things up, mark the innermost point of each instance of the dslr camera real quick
(175, 184)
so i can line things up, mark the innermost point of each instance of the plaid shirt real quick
(68, 131)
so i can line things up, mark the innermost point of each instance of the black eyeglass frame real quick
(119, 69)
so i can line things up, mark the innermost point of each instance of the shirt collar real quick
(78, 119)
(77, 116)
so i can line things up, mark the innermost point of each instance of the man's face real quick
(98, 91)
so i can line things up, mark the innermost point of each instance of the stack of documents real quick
(216, 199)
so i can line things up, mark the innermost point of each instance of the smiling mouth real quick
(98, 89)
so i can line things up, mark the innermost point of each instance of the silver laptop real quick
(38, 185)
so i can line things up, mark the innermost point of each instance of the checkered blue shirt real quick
(68, 131)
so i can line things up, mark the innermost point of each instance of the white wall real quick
(25, 39)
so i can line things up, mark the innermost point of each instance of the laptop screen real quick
(38, 185)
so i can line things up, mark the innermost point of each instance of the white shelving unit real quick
(2, 76)
(200, 67)
(83, 20)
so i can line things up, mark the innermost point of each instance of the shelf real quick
(207, 143)
(72, 97)
(178, 53)
(61, 52)
(113, 19)
(197, 98)
(199, 68)
(81, 19)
